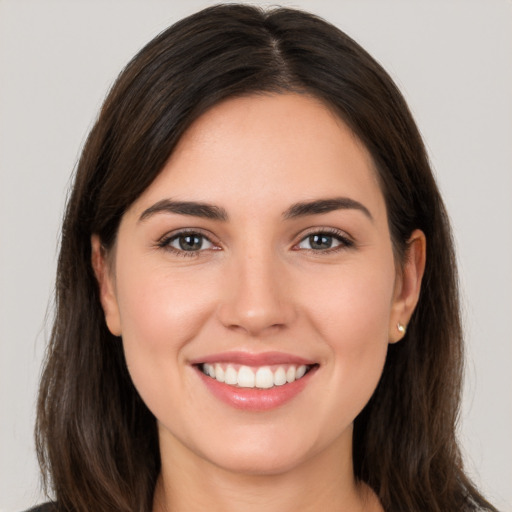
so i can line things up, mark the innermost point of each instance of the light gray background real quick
(452, 60)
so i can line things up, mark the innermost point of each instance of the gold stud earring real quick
(401, 328)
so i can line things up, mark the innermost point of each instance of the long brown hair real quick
(97, 441)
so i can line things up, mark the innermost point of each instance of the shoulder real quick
(46, 507)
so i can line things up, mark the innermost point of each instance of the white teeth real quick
(290, 374)
(280, 376)
(219, 373)
(263, 377)
(246, 377)
(231, 376)
(301, 370)
(210, 370)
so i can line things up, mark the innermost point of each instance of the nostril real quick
(256, 298)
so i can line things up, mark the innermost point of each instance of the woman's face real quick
(261, 251)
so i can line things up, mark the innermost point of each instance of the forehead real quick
(267, 150)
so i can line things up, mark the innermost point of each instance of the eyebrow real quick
(210, 211)
(192, 208)
(325, 206)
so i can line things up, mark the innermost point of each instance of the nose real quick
(257, 295)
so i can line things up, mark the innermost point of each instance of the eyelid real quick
(346, 240)
(164, 241)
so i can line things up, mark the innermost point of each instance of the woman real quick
(256, 295)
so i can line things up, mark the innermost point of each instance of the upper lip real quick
(252, 359)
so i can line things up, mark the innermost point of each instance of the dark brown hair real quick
(97, 441)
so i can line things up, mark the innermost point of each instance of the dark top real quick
(47, 507)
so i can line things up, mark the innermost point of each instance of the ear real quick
(408, 285)
(106, 286)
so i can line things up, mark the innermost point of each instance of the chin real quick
(259, 452)
(258, 463)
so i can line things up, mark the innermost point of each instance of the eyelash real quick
(339, 236)
(165, 242)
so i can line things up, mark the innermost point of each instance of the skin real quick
(258, 285)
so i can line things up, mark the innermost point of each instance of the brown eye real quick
(189, 242)
(319, 242)
(322, 242)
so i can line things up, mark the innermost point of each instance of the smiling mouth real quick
(261, 377)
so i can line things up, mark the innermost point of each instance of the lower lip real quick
(255, 399)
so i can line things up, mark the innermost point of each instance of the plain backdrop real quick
(451, 59)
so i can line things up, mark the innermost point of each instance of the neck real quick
(189, 483)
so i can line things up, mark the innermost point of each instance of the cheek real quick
(161, 312)
(353, 320)
(354, 304)
(160, 309)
